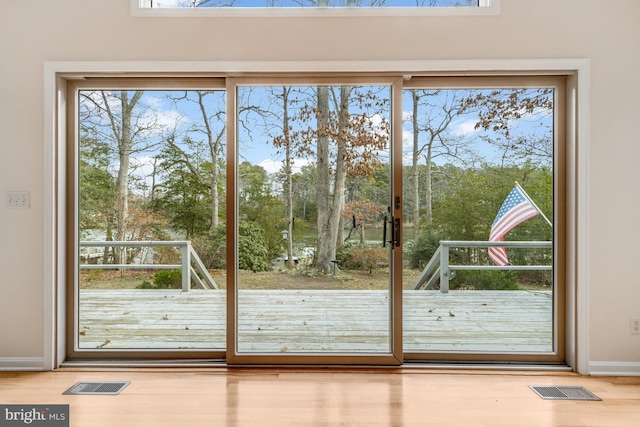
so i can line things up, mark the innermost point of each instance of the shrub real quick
(355, 256)
(169, 279)
(343, 253)
(423, 249)
(94, 274)
(252, 248)
(368, 258)
(211, 247)
(145, 285)
(484, 280)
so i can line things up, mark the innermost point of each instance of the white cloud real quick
(273, 166)
(407, 140)
(376, 120)
(158, 116)
(142, 166)
(464, 127)
(270, 165)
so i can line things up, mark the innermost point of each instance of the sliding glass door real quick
(484, 175)
(147, 222)
(317, 219)
(315, 225)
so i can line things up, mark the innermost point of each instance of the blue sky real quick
(168, 116)
(462, 130)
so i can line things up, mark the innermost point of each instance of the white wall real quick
(606, 32)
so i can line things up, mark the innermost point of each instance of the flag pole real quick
(534, 204)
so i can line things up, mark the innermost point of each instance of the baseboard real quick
(625, 369)
(21, 364)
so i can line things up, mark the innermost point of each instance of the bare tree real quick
(117, 109)
(213, 127)
(126, 128)
(435, 110)
(124, 135)
(433, 113)
(286, 141)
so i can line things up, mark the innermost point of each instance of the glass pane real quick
(306, 3)
(313, 191)
(151, 220)
(478, 170)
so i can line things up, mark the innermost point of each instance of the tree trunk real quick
(340, 172)
(124, 137)
(428, 191)
(416, 172)
(330, 208)
(214, 148)
(324, 254)
(107, 249)
(289, 178)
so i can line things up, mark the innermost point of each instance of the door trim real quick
(57, 74)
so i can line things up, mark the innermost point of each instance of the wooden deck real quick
(317, 320)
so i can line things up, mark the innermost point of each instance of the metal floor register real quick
(98, 388)
(564, 393)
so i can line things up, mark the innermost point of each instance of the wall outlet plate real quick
(634, 325)
(18, 199)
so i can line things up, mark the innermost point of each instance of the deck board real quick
(317, 320)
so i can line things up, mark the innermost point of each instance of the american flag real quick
(516, 209)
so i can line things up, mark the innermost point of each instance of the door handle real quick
(395, 230)
(395, 226)
(386, 218)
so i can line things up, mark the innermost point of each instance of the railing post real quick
(444, 267)
(186, 267)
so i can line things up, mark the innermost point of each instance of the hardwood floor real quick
(327, 397)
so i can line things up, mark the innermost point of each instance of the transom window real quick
(308, 3)
(312, 7)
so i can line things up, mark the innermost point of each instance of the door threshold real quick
(409, 366)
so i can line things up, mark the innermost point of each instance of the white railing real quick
(190, 261)
(439, 267)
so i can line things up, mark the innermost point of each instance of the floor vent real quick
(108, 388)
(564, 393)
